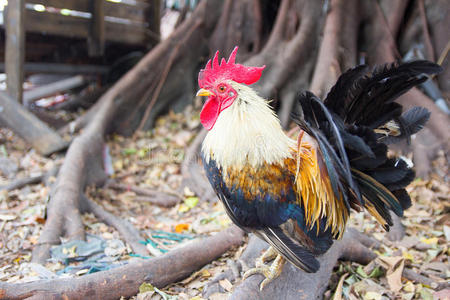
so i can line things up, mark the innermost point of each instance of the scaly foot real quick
(270, 272)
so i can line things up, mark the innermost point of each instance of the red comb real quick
(228, 71)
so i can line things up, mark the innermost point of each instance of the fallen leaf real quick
(425, 294)
(447, 233)
(146, 287)
(183, 208)
(442, 295)
(407, 255)
(372, 296)
(409, 287)
(191, 202)
(338, 292)
(179, 228)
(430, 241)
(7, 217)
(394, 266)
(226, 284)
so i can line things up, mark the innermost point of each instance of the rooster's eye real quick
(222, 88)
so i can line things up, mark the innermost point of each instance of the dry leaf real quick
(372, 296)
(226, 284)
(338, 292)
(394, 277)
(394, 266)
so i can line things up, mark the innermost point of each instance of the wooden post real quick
(96, 39)
(153, 16)
(15, 48)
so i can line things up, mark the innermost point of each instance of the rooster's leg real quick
(270, 272)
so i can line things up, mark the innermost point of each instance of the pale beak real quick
(203, 92)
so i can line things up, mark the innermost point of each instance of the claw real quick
(270, 272)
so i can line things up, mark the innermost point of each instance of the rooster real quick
(296, 194)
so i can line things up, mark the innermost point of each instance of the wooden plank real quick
(54, 68)
(56, 24)
(68, 26)
(134, 13)
(78, 5)
(128, 34)
(15, 48)
(53, 88)
(45, 140)
(153, 19)
(96, 39)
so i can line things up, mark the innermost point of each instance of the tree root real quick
(337, 51)
(146, 195)
(21, 182)
(294, 283)
(83, 165)
(312, 286)
(124, 281)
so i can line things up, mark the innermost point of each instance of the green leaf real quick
(425, 294)
(191, 202)
(377, 272)
(129, 151)
(146, 287)
(360, 271)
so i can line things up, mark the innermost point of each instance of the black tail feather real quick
(293, 252)
(359, 114)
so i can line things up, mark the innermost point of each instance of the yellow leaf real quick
(191, 202)
(183, 208)
(430, 241)
(409, 287)
(407, 255)
(146, 287)
(181, 227)
(372, 296)
(205, 273)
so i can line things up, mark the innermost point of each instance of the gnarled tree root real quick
(294, 283)
(83, 165)
(124, 281)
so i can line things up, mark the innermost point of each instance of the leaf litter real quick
(152, 160)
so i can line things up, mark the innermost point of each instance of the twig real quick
(21, 182)
(416, 277)
(147, 195)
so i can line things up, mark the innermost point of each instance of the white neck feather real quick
(247, 132)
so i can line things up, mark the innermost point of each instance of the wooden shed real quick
(72, 32)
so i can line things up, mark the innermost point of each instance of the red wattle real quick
(209, 113)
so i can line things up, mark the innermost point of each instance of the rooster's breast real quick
(255, 197)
